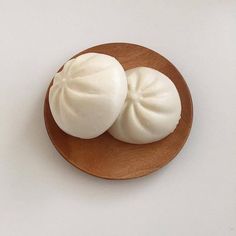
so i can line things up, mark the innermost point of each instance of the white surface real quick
(152, 108)
(41, 194)
(87, 95)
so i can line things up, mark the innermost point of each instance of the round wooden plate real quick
(109, 158)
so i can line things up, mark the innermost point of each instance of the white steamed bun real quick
(87, 95)
(152, 108)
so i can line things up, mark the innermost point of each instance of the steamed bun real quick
(152, 108)
(87, 94)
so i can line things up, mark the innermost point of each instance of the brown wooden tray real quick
(109, 158)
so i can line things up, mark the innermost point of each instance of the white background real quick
(41, 194)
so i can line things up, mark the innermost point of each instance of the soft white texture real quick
(152, 108)
(87, 95)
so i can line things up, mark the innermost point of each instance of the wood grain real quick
(109, 158)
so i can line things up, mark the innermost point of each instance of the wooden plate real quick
(109, 158)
